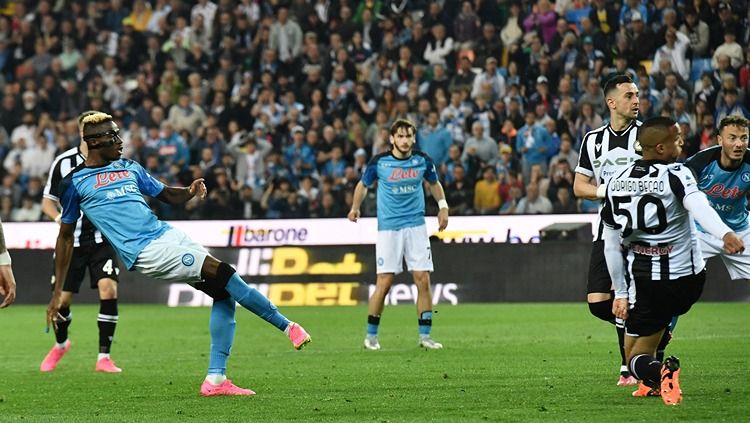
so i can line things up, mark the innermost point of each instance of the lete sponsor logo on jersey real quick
(722, 191)
(104, 179)
(398, 174)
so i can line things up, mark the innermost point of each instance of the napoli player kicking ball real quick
(109, 191)
(402, 234)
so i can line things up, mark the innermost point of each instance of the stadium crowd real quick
(280, 104)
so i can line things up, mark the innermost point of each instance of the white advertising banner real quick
(304, 232)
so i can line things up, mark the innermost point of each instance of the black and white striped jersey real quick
(604, 152)
(85, 234)
(645, 203)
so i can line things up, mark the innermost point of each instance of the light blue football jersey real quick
(400, 194)
(111, 197)
(726, 189)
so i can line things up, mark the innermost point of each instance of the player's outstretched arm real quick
(439, 195)
(583, 187)
(63, 256)
(7, 280)
(178, 195)
(359, 195)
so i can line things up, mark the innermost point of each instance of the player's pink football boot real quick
(298, 336)
(106, 365)
(225, 388)
(53, 357)
(627, 381)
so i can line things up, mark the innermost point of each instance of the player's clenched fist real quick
(198, 187)
(733, 243)
(353, 215)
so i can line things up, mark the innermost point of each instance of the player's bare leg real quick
(375, 309)
(62, 345)
(107, 322)
(424, 310)
(226, 287)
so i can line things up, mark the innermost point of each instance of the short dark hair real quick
(654, 131)
(403, 123)
(613, 82)
(734, 120)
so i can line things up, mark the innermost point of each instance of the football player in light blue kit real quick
(109, 190)
(723, 174)
(402, 234)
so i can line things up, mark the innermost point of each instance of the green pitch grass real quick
(510, 362)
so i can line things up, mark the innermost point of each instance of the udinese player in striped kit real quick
(604, 151)
(91, 251)
(653, 254)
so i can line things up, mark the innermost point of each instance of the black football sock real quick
(620, 327)
(647, 369)
(663, 345)
(61, 334)
(107, 321)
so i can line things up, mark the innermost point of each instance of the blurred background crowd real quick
(281, 104)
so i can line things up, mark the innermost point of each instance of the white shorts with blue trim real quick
(173, 257)
(738, 265)
(410, 244)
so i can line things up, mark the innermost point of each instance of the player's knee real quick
(602, 310)
(215, 285)
(107, 289)
(66, 299)
(422, 280)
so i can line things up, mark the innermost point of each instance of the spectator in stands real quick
(560, 177)
(729, 48)
(542, 20)
(731, 106)
(440, 48)
(335, 166)
(185, 115)
(459, 193)
(434, 139)
(171, 148)
(467, 26)
(726, 19)
(29, 211)
(533, 202)
(641, 35)
(564, 203)
(697, 32)
(487, 192)
(593, 95)
(490, 82)
(512, 32)
(532, 142)
(480, 148)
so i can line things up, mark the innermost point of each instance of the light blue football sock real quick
(373, 322)
(425, 323)
(221, 325)
(256, 302)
